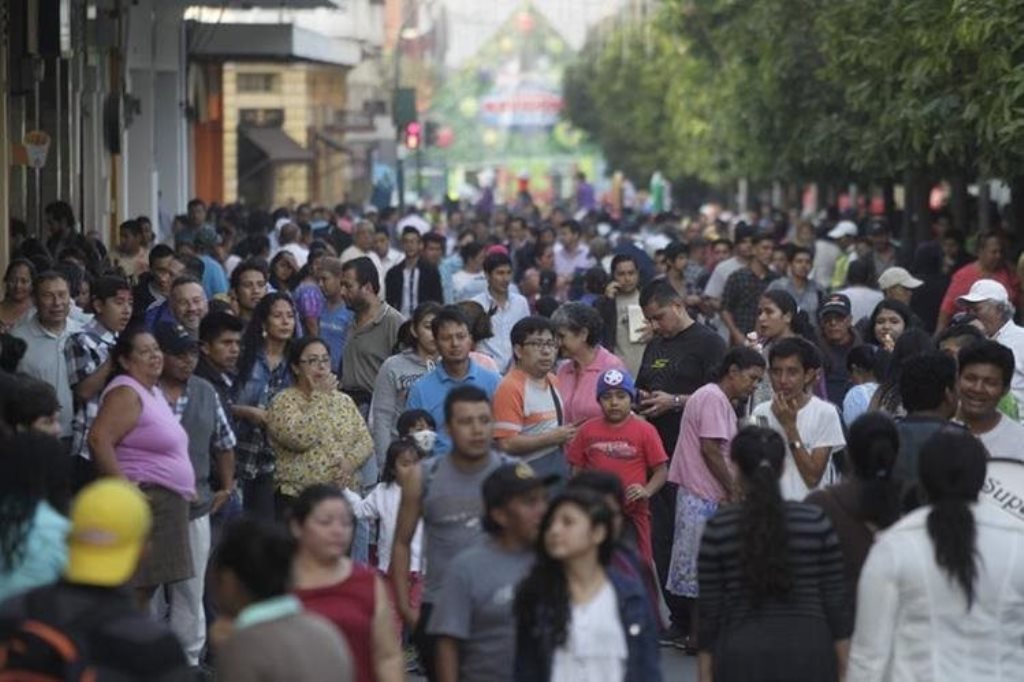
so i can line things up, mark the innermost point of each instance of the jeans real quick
(181, 603)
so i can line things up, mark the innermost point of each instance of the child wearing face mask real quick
(381, 504)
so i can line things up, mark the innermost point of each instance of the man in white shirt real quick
(863, 298)
(46, 332)
(388, 255)
(811, 427)
(362, 245)
(985, 372)
(504, 307)
(990, 303)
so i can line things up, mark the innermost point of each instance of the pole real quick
(400, 174)
(419, 171)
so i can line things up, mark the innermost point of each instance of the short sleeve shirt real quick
(710, 416)
(819, 426)
(629, 450)
(523, 407)
(475, 607)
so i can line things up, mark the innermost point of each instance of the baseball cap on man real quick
(512, 480)
(174, 339)
(844, 228)
(835, 303)
(897, 276)
(615, 378)
(110, 521)
(985, 290)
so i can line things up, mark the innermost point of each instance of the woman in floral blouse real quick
(316, 431)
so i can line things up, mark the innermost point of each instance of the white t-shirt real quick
(862, 301)
(819, 426)
(595, 647)
(1006, 440)
(381, 505)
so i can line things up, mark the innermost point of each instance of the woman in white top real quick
(577, 620)
(941, 596)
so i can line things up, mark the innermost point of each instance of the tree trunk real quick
(889, 202)
(1016, 217)
(984, 197)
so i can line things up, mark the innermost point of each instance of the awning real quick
(277, 145)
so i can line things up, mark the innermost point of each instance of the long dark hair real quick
(912, 342)
(952, 470)
(874, 444)
(390, 472)
(800, 321)
(33, 469)
(272, 276)
(764, 536)
(252, 339)
(543, 596)
(898, 307)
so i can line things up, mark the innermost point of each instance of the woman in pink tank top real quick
(136, 436)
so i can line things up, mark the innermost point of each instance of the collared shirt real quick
(274, 608)
(253, 454)
(430, 391)
(1012, 336)
(366, 349)
(84, 353)
(742, 292)
(44, 360)
(410, 290)
(503, 318)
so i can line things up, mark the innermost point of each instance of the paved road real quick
(675, 667)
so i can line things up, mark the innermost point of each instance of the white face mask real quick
(425, 440)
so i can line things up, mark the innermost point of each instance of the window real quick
(259, 82)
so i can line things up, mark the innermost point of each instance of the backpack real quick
(39, 648)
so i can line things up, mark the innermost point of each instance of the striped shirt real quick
(816, 567)
(525, 406)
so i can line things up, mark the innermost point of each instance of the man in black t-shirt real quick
(679, 359)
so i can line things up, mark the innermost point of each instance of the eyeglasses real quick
(324, 361)
(543, 345)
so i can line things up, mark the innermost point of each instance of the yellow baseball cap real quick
(110, 522)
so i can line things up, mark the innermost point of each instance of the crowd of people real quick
(332, 444)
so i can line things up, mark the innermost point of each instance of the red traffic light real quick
(413, 135)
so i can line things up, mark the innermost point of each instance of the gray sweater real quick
(298, 648)
(396, 377)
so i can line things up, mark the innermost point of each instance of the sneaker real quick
(673, 636)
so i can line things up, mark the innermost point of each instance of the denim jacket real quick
(535, 647)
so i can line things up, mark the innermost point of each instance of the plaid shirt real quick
(84, 353)
(742, 292)
(223, 434)
(253, 454)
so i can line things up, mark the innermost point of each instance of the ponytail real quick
(874, 445)
(952, 469)
(764, 536)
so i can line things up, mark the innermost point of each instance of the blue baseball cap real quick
(616, 378)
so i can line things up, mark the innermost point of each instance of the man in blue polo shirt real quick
(451, 332)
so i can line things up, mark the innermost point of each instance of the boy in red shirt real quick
(625, 445)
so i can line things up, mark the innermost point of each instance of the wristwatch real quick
(795, 445)
(677, 400)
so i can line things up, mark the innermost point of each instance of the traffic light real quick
(413, 135)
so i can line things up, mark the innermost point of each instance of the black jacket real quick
(430, 284)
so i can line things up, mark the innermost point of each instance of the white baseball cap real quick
(897, 276)
(985, 290)
(844, 228)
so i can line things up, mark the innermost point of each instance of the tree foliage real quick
(801, 90)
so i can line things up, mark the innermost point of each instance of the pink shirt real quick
(156, 449)
(579, 389)
(710, 415)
